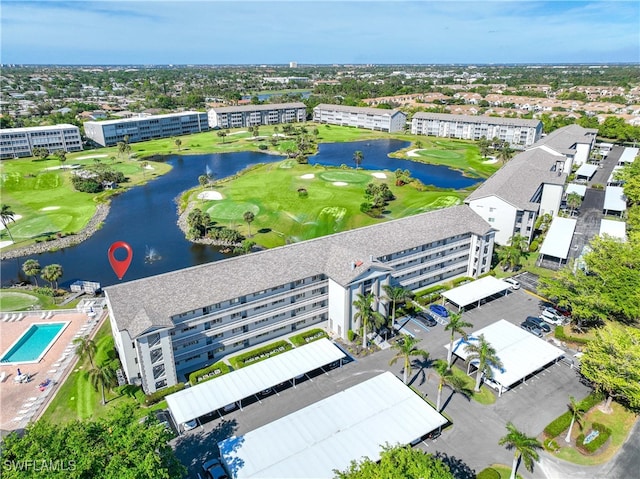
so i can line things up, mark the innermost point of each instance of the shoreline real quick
(94, 224)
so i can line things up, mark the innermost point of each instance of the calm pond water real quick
(145, 216)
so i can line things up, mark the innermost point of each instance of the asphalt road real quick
(471, 443)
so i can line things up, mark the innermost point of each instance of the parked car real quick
(550, 317)
(426, 319)
(532, 328)
(439, 310)
(512, 282)
(542, 326)
(213, 470)
(189, 425)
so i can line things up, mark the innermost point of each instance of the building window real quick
(491, 220)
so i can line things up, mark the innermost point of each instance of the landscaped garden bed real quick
(260, 354)
(308, 337)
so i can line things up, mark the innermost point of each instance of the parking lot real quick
(473, 438)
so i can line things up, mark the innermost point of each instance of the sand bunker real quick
(340, 183)
(91, 156)
(149, 167)
(50, 208)
(15, 218)
(238, 132)
(63, 167)
(382, 176)
(490, 161)
(308, 176)
(5, 243)
(210, 195)
(414, 152)
(279, 135)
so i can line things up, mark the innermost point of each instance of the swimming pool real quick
(34, 343)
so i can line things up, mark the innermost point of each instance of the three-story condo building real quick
(252, 115)
(169, 325)
(361, 117)
(20, 142)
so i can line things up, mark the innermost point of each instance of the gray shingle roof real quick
(477, 119)
(357, 109)
(144, 118)
(563, 139)
(147, 302)
(520, 178)
(270, 106)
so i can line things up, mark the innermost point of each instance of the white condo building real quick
(361, 117)
(252, 115)
(170, 325)
(517, 132)
(20, 142)
(110, 132)
(573, 142)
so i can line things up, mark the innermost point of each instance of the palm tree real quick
(445, 374)
(222, 134)
(487, 358)
(366, 314)
(85, 347)
(396, 294)
(122, 147)
(248, 217)
(505, 153)
(178, 143)
(144, 166)
(7, 216)
(576, 416)
(31, 267)
(358, 156)
(574, 200)
(52, 273)
(406, 350)
(103, 376)
(456, 326)
(62, 156)
(525, 447)
(483, 146)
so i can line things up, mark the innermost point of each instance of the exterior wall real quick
(499, 214)
(126, 352)
(156, 360)
(387, 120)
(583, 151)
(339, 310)
(19, 142)
(551, 199)
(109, 133)
(455, 127)
(242, 117)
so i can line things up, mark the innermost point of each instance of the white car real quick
(189, 425)
(551, 318)
(512, 282)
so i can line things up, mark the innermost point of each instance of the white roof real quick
(521, 352)
(614, 199)
(629, 155)
(474, 291)
(587, 170)
(612, 178)
(615, 229)
(574, 188)
(329, 434)
(558, 239)
(209, 396)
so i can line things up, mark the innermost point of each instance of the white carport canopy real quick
(329, 434)
(558, 239)
(475, 291)
(612, 177)
(209, 396)
(615, 229)
(614, 199)
(628, 155)
(521, 352)
(573, 188)
(586, 170)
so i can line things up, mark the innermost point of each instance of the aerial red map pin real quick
(120, 267)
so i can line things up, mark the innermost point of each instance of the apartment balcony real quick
(441, 259)
(406, 282)
(422, 253)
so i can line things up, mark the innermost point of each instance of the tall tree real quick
(574, 200)
(483, 146)
(31, 267)
(407, 349)
(52, 273)
(358, 156)
(203, 180)
(456, 326)
(576, 416)
(397, 295)
(248, 218)
(611, 361)
(486, 356)
(366, 315)
(62, 156)
(7, 216)
(524, 447)
(85, 347)
(178, 143)
(222, 134)
(102, 376)
(505, 153)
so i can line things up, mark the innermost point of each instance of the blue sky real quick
(312, 31)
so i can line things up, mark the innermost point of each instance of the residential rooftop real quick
(563, 140)
(477, 119)
(357, 109)
(266, 107)
(148, 117)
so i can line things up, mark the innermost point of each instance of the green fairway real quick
(331, 204)
(442, 154)
(12, 301)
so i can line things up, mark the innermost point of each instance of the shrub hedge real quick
(265, 352)
(463, 279)
(158, 396)
(210, 372)
(562, 422)
(488, 473)
(560, 334)
(308, 337)
(597, 443)
(351, 335)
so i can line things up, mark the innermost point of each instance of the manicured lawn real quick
(19, 300)
(485, 396)
(332, 203)
(77, 399)
(45, 199)
(504, 471)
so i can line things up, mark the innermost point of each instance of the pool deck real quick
(22, 402)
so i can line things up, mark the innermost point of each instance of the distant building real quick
(20, 142)
(252, 115)
(293, 64)
(517, 132)
(360, 117)
(110, 132)
(572, 141)
(170, 325)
